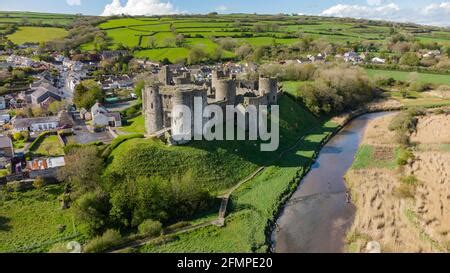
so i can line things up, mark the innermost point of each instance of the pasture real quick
(36, 35)
(405, 76)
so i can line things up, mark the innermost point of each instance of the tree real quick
(244, 51)
(56, 106)
(196, 55)
(151, 41)
(138, 88)
(179, 40)
(85, 169)
(410, 58)
(92, 210)
(150, 228)
(38, 183)
(87, 93)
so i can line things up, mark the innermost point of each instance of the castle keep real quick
(159, 98)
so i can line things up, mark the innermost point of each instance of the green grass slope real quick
(218, 165)
(29, 220)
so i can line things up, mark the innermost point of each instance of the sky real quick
(432, 12)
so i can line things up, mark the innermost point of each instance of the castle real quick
(159, 98)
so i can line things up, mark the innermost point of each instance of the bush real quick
(177, 226)
(108, 240)
(38, 183)
(150, 228)
(405, 191)
(410, 180)
(403, 156)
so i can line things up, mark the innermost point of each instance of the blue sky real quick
(425, 11)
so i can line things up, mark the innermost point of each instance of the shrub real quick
(108, 240)
(418, 86)
(150, 228)
(410, 180)
(38, 183)
(403, 156)
(177, 226)
(405, 191)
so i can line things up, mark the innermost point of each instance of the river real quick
(317, 216)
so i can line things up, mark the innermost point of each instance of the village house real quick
(101, 117)
(6, 147)
(352, 57)
(119, 82)
(44, 95)
(62, 120)
(113, 54)
(45, 167)
(378, 60)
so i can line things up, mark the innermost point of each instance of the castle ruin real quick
(159, 98)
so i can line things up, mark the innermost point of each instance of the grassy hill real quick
(217, 165)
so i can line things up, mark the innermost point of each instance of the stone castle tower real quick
(268, 87)
(152, 109)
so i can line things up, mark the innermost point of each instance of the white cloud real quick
(222, 8)
(139, 7)
(73, 2)
(375, 2)
(434, 14)
(358, 11)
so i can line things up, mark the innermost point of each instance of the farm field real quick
(37, 18)
(404, 76)
(37, 34)
(201, 30)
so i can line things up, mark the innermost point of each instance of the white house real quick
(378, 60)
(102, 117)
(35, 124)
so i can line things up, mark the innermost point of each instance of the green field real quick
(134, 32)
(31, 221)
(49, 146)
(365, 158)
(135, 125)
(36, 18)
(36, 34)
(404, 76)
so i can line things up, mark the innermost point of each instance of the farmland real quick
(36, 18)
(204, 32)
(36, 34)
(404, 76)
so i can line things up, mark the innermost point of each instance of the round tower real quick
(181, 121)
(152, 109)
(268, 87)
(226, 90)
